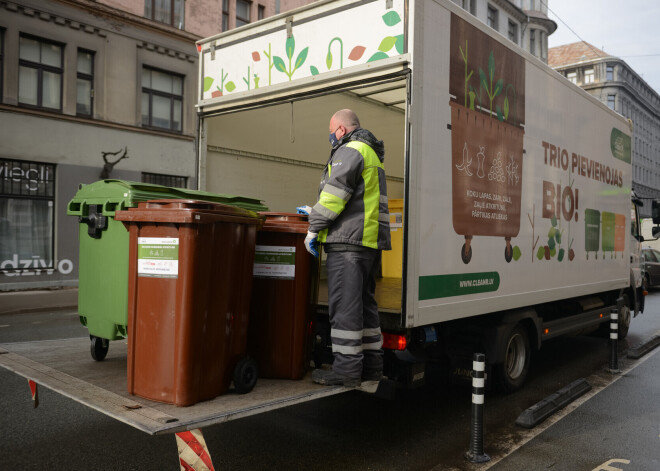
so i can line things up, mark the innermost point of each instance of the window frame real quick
(242, 21)
(589, 76)
(89, 78)
(611, 98)
(40, 70)
(493, 17)
(49, 195)
(2, 61)
(609, 72)
(513, 28)
(171, 96)
(261, 12)
(532, 41)
(150, 13)
(225, 15)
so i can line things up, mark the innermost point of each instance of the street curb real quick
(639, 350)
(553, 403)
(18, 302)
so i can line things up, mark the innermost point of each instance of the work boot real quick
(330, 378)
(370, 374)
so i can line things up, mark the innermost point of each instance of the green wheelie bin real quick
(104, 245)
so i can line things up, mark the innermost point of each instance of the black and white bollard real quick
(614, 341)
(476, 453)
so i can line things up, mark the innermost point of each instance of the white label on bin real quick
(396, 221)
(158, 257)
(272, 261)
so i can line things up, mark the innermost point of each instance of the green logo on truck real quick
(620, 144)
(460, 284)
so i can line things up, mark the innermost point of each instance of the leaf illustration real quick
(290, 46)
(399, 44)
(328, 60)
(279, 64)
(387, 44)
(255, 56)
(500, 116)
(506, 108)
(313, 70)
(558, 237)
(499, 86)
(491, 65)
(378, 56)
(357, 52)
(540, 253)
(391, 18)
(517, 253)
(560, 255)
(208, 82)
(230, 86)
(482, 77)
(300, 60)
(553, 220)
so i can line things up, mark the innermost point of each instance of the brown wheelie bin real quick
(285, 274)
(190, 279)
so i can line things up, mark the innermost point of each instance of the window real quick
(27, 194)
(261, 12)
(2, 58)
(493, 15)
(40, 73)
(85, 92)
(165, 180)
(609, 73)
(162, 99)
(589, 76)
(532, 41)
(610, 101)
(513, 31)
(242, 12)
(572, 76)
(225, 15)
(473, 7)
(170, 12)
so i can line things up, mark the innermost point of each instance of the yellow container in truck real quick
(393, 259)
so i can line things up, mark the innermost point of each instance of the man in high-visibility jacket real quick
(351, 219)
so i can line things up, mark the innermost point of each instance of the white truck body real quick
(495, 155)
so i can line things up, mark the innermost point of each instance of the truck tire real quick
(511, 374)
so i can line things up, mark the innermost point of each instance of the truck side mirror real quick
(655, 231)
(655, 211)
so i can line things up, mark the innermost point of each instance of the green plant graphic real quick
(229, 86)
(464, 55)
(391, 18)
(270, 62)
(208, 83)
(293, 66)
(246, 79)
(487, 82)
(328, 58)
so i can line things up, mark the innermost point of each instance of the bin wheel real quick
(99, 347)
(245, 375)
(508, 253)
(466, 257)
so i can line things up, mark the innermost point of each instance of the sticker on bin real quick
(272, 261)
(158, 257)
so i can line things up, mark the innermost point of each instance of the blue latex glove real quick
(304, 210)
(312, 244)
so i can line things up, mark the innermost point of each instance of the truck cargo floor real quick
(65, 366)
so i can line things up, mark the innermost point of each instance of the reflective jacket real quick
(352, 205)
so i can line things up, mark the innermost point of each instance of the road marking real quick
(606, 466)
(596, 380)
(6, 325)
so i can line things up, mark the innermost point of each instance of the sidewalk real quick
(38, 300)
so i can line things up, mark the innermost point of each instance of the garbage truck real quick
(509, 187)
(512, 217)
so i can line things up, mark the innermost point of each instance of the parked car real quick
(651, 267)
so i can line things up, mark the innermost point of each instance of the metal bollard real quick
(476, 453)
(614, 341)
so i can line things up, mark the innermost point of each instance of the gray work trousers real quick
(354, 321)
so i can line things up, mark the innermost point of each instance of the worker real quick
(351, 220)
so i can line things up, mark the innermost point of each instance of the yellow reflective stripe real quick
(371, 198)
(331, 203)
(323, 235)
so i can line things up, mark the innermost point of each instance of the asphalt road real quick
(420, 430)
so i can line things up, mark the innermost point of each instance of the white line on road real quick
(6, 325)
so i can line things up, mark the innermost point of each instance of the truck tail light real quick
(394, 341)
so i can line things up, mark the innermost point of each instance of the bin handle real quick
(95, 220)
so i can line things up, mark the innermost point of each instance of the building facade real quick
(92, 90)
(524, 22)
(616, 84)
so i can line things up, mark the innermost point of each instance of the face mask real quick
(333, 139)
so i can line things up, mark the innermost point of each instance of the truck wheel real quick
(99, 347)
(511, 374)
(466, 257)
(245, 375)
(624, 318)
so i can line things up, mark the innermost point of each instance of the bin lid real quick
(176, 211)
(116, 195)
(285, 222)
